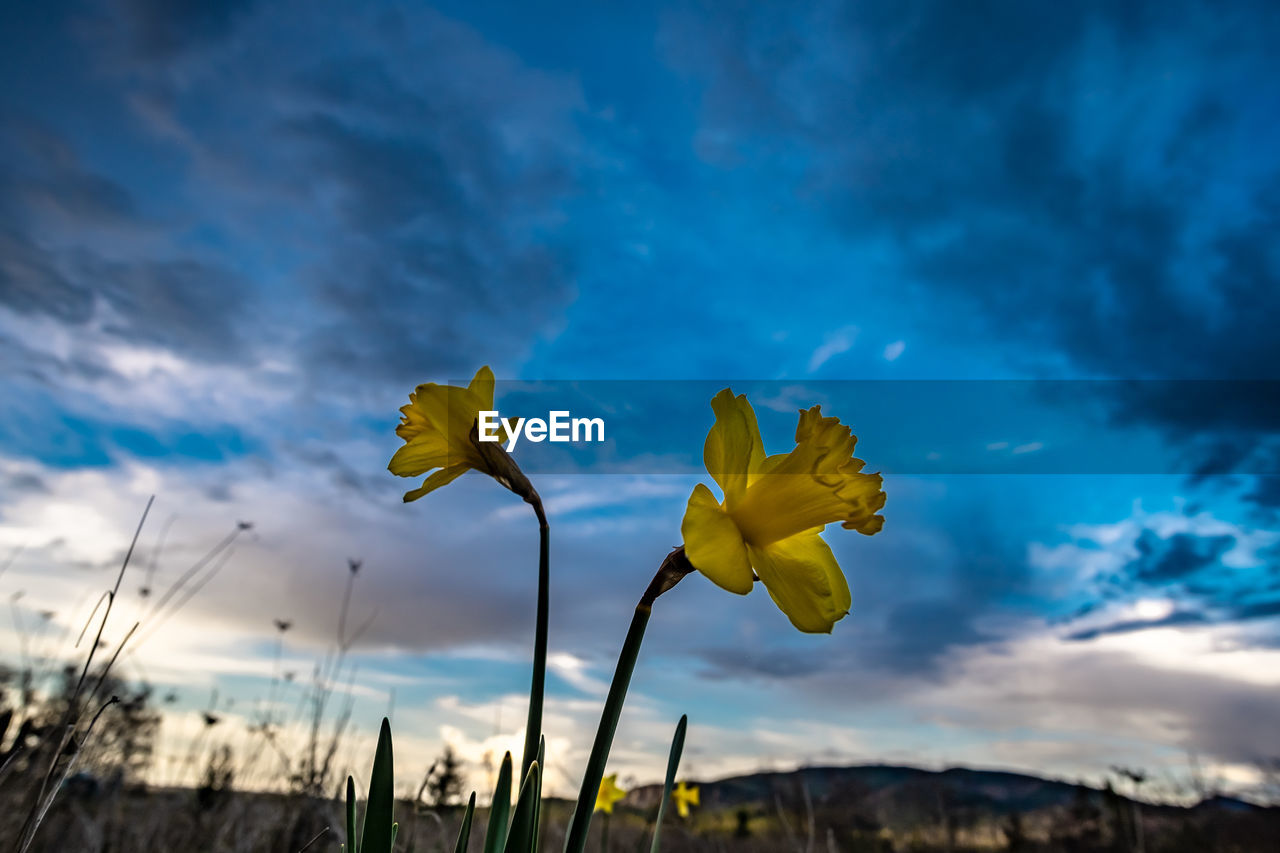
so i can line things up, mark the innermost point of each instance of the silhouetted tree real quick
(444, 780)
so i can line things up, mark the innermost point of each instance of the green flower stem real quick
(533, 727)
(672, 570)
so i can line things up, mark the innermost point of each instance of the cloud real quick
(894, 350)
(835, 343)
(353, 209)
(1181, 617)
(1205, 571)
(1120, 692)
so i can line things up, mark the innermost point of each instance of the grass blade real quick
(464, 834)
(353, 846)
(499, 809)
(673, 763)
(523, 828)
(379, 828)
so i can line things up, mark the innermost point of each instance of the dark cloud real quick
(186, 306)
(342, 473)
(58, 223)
(1259, 610)
(1266, 492)
(1176, 558)
(1187, 569)
(393, 186)
(741, 662)
(44, 178)
(430, 201)
(157, 31)
(47, 370)
(25, 483)
(1084, 184)
(973, 593)
(43, 184)
(917, 634)
(30, 283)
(980, 163)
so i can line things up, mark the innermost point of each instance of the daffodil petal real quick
(482, 387)
(443, 477)
(609, 794)
(713, 544)
(804, 580)
(733, 448)
(427, 451)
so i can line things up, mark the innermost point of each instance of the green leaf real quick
(673, 763)
(353, 844)
(464, 834)
(379, 828)
(537, 805)
(499, 809)
(524, 832)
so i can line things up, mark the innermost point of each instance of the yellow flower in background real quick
(440, 432)
(685, 796)
(774, 509)
(608, 794)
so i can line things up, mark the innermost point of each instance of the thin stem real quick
(45, 799)
(321, 834)
(673, 569)
(533, 727)
(70, 715)
(115, 590)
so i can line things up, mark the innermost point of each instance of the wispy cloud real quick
(835, 343)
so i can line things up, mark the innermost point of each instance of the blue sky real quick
(233, 236)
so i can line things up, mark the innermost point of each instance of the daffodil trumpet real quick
(440, 428)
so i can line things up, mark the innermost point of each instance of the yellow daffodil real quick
(685, 797)
(439, 427)
(774, 509)
(609, 794)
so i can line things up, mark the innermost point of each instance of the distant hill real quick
(895, 790)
